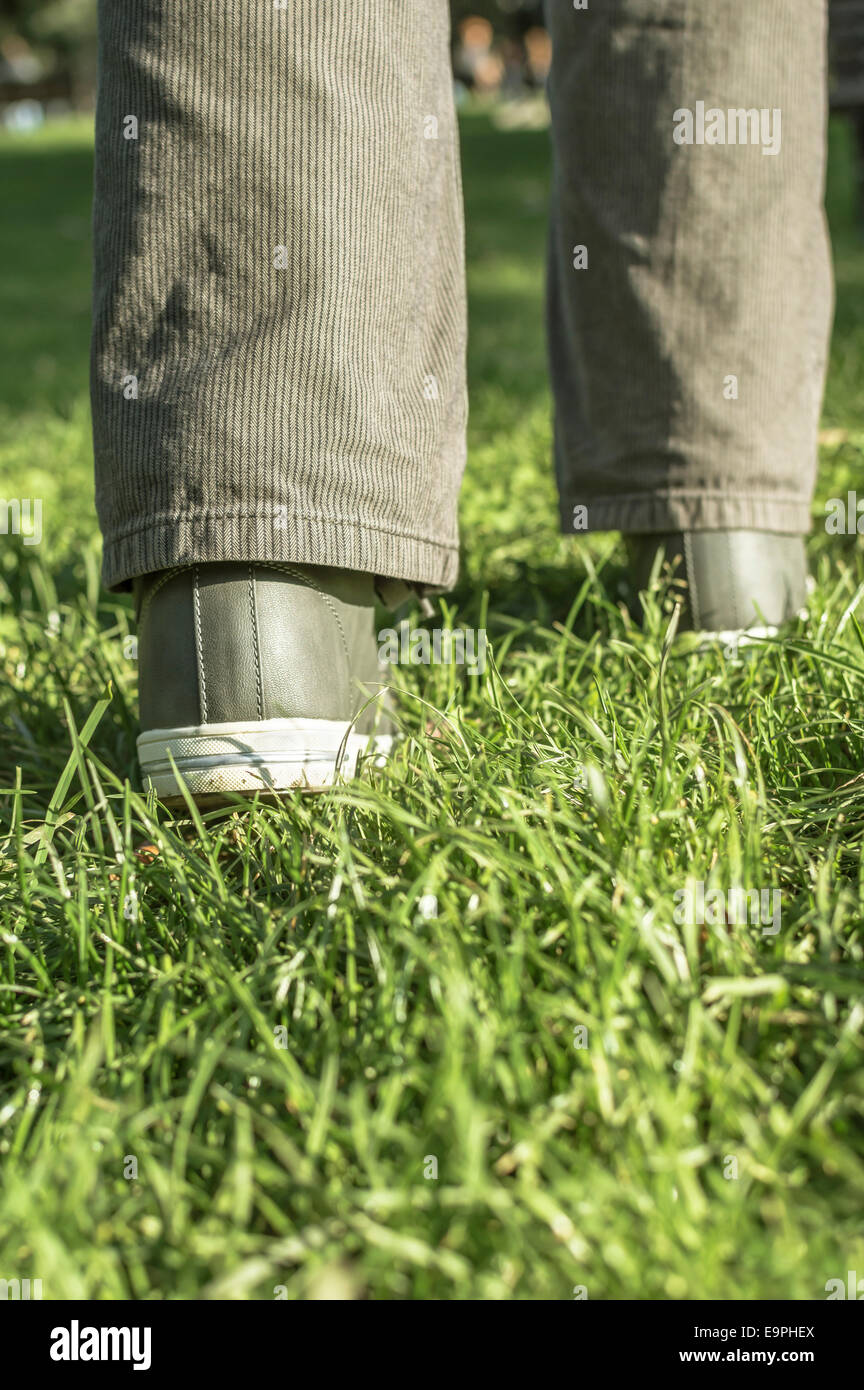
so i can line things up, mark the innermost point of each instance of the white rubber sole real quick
(734, 641)
(270, 755)
(734, 637)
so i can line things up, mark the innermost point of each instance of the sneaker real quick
(257, 678)
(732, 584)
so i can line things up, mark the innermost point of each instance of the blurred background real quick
(500, 50)
(48, 54)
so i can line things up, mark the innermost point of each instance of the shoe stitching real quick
(285, 569)
(160, 583)
(253, 615)
(310, 584)
(200, 646)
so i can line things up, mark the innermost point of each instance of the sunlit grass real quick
(427, 942)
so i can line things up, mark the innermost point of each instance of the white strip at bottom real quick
(270, 755)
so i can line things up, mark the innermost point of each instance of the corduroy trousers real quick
(278, 360)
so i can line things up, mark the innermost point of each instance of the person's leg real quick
(690, 291)
(278, 342)
(278, 371)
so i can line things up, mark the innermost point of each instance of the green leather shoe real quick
(257, 678)
(732, 584)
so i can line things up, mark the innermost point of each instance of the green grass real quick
(421, 1029)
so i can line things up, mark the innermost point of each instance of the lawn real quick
(438, 1034)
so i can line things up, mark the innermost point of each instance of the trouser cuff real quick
(685, 511)
(279, 538)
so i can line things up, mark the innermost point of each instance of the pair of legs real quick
(279, 336)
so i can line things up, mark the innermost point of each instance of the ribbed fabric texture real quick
(279, 316)
(704, 263)
(279, 337)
